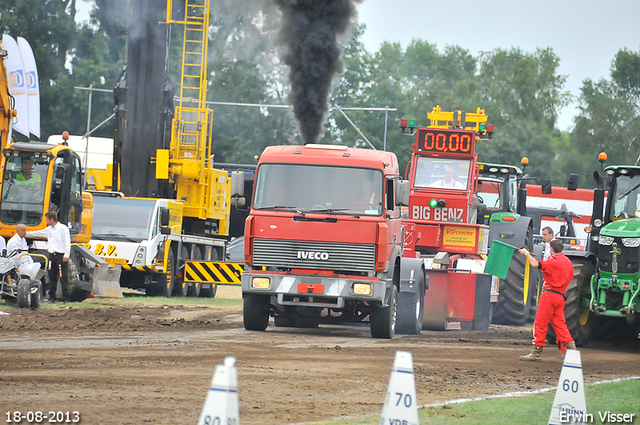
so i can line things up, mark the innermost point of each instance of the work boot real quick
(534, 356)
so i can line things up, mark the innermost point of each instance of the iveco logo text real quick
(313, 255)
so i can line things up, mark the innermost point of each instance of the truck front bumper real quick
(314, 291)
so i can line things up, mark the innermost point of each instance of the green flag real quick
(499, 259)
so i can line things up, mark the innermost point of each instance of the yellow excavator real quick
(39, 177)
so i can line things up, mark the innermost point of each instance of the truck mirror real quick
(237, 184)
(164, 217)
(572, 181)
(401, 189)
(238, 201)
(546, 186)
(164, 230)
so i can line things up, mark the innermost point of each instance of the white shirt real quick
(58, 237)
(547, 251)
(16, 243)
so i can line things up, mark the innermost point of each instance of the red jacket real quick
(558, 272)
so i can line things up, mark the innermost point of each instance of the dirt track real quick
(153, 364)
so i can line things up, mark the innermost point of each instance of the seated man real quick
(27, 176)
(366, 199)
(449, 180)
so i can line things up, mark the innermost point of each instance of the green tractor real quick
(602, 300)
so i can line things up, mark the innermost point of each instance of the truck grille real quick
(314, 255)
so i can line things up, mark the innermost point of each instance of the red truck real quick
(324, 242)
(442, 225)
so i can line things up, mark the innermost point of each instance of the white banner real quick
(33, 87)
(17, 83)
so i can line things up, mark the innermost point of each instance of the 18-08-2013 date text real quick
(46, 417)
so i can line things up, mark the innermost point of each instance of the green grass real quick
(618, 397)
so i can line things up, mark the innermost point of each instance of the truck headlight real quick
(631, 242)
(260, 283)
(362, 289)
(605, 240)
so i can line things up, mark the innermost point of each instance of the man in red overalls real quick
(558, 272)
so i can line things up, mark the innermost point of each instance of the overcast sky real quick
(585, 34)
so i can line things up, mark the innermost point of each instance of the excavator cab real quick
(38, 177)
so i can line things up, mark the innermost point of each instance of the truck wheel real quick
(169, 277)
(24, 293)
(255, 312)
(182, 287)
(383, 319)
(36, 294)
(535, 291)
(514, 298)
(196, 287)
(411, 310)
(76, 293)
(580, 320)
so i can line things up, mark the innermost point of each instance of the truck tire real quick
(580, 320)
(169, 277)
(411, 309)
(255, 312)
(511, 307)
(182, 287)
(76, 293)
(383, 319)
(535, 291)
(36, 294)
(24, 293)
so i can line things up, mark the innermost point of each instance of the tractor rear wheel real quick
(514, 299)
(580, 320)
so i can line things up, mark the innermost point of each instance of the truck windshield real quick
(23, 189)
(627, 200)
(442, 173)
(317, 188)
(108, 214)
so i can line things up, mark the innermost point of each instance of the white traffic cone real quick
(570, 404)
(221, 404)
(401, 406)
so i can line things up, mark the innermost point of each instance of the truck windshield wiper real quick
(328, 210)
(105, 236)
(281, 207)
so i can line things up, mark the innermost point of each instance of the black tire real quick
(168, 279)
(535, 291)
(24, 293)
(36, 294)
(76, 293)
(196, 287)
(580, 321)
(211, 292)
(411, 310)
(255, 312)
(383, 319)
(181, 288)
(512, 308)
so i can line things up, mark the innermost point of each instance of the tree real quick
(50, 29)
(609, 118)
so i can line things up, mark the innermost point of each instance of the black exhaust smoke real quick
(310, 31)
